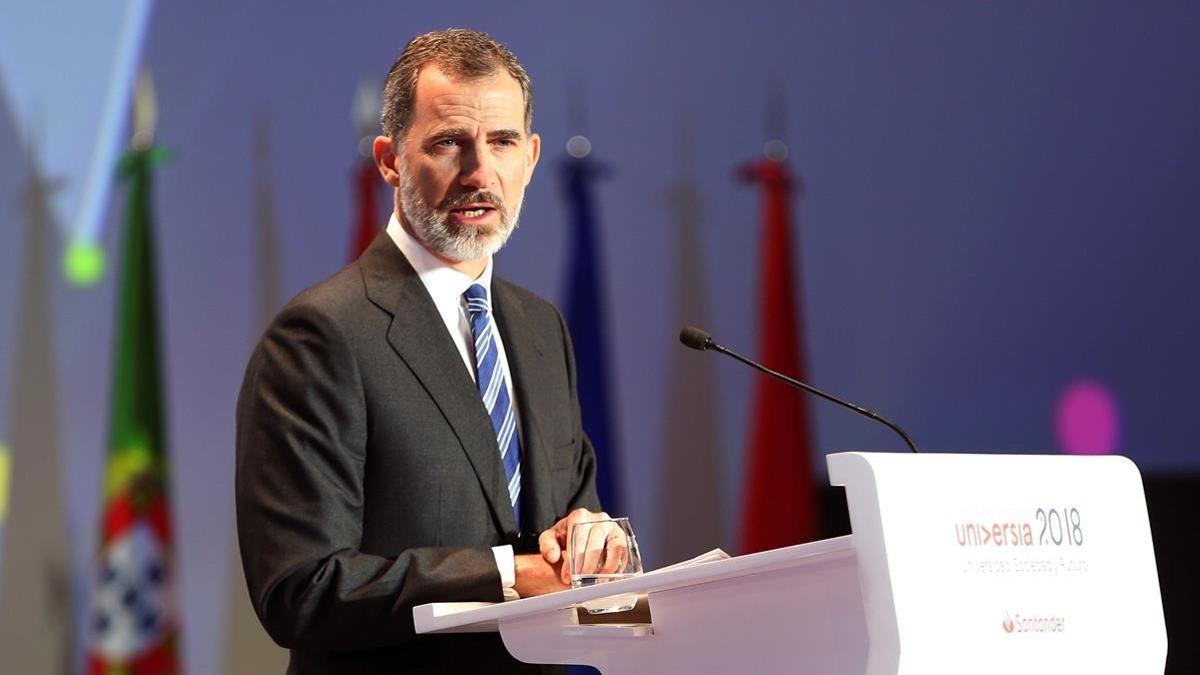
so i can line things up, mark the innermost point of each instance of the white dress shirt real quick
(446, 286)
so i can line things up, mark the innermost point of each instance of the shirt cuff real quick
(507, 564)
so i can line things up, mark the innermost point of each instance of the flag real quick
(133, 627)
(779, 499)
(690, 466)
(36, 633)
(248, 648)
(268, 275)
(585, 305)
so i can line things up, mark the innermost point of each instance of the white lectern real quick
(957, 564)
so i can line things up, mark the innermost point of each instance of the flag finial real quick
(145, 111)
(364, 114)
(579, 147)
(775, 150)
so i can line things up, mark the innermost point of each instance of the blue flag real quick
(585, 312)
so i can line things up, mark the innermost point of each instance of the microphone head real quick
(695, 338)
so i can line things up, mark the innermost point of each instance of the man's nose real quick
(475, 171)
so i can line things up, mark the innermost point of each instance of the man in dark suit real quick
(403, 424)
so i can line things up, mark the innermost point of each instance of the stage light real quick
(83, 263)
(1087, 421)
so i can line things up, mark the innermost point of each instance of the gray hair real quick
(458, 52)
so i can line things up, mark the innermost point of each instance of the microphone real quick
(700, 340)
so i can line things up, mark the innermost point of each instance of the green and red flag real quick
(134, 628)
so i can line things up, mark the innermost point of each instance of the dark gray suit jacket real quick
(368, 474)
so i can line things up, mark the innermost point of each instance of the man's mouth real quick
(473, 211)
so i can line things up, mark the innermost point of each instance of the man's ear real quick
(531, 159)
(385, 160)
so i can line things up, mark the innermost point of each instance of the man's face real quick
(463, 164)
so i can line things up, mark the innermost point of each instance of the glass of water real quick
(601, 551)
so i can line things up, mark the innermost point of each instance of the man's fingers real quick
(553, 541)
(616, 552)
(574, 551)
(549, 546)
(578, 546)
(564, 529)
(593, 550)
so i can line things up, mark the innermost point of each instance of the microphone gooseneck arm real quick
(698, 339)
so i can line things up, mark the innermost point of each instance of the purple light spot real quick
(1087, 421)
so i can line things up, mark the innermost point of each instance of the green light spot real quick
(83, 263)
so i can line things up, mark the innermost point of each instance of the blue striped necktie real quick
(494, 390)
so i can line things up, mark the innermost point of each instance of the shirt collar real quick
(444, 283)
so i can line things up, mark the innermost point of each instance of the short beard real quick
(434, 229)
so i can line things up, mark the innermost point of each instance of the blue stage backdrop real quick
(998, 237)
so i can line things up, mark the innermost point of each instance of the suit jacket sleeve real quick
(301, 438)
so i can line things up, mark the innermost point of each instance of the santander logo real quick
(1033, 624)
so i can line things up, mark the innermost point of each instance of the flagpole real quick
(133, 627)
(365, 177)
(585, 310)
(779, 498)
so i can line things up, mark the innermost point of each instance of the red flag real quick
(779, 499)
(366, 185)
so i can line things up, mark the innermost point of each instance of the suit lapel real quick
(526, 355)
(418, 336)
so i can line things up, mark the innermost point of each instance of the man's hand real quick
(536, 576)
(553, 541)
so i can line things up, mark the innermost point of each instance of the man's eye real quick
(507, 142)
(447, 143)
